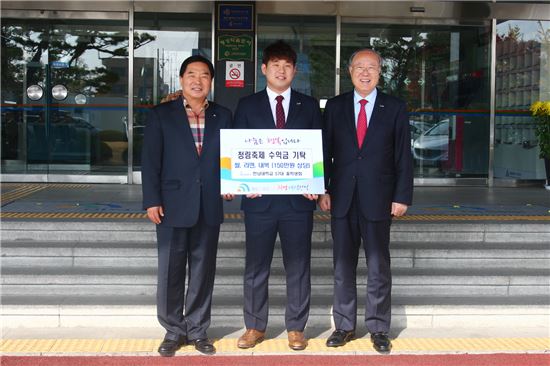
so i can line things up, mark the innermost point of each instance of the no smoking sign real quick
(234, 74)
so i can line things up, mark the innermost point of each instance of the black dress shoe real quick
(340, 337)
(168, 347)
(203, 345)
(381, 342)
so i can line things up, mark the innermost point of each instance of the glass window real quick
(162, 43)
(443, 74)
(516, 148)
(313, 39)
(64, 95)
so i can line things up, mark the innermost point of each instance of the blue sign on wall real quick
(235, 17)
(59, 65)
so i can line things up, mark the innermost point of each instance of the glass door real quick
(64, 93)
(162, 42)
(442, 72)
(522, 78)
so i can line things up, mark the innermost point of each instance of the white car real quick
(432, 147)
(418, 128)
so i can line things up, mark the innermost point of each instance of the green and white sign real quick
(235, 47)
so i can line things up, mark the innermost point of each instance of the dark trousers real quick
(196, 246)
(347, 233)
(294, 228)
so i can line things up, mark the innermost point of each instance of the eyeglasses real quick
(362, 69)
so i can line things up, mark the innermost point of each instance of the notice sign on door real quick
(234, 74)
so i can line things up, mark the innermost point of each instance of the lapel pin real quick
(298, 103)
(214, 115)
(381, 105)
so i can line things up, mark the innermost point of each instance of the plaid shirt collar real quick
(187, 106)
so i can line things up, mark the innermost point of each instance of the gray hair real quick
(380, 60)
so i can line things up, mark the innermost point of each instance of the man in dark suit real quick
(368, 168)
(291, 216)
(181, 193)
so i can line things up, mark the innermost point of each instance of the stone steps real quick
(406, 282)
(403, 231)
(71, 273)
(34, 254)
(407, 312)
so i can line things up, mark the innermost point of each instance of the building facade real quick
(75, 95)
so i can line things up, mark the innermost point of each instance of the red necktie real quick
(280, 112)
(362, 123)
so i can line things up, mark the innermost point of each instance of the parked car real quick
(67, 139)
(432, 146)
(418, 128)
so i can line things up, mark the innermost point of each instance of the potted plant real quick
(541, 114)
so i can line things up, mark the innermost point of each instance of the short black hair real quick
(279, 50)
(197, 58)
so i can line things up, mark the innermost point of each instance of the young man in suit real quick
(181, 193)
(368, 168)
(290, 216)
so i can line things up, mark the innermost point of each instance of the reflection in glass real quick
(59, 92)
(443, 74)
(523, 77)
(80, 99)
(432, 146)
(313, 39)
(166, 40)
(66, 58)
(35, 92)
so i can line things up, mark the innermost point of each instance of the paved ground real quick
(218, 333)
(500, 359)
(110, 201)
(144, 341)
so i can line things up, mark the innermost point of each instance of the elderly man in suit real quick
(368, 168)
(181, 193)
(291, 216)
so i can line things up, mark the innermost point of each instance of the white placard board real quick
(271, 161)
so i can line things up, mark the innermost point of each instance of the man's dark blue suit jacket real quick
(381, 170)
(254, 111)
(173, 174)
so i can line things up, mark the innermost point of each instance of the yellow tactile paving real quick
(27, 345)
(20, 192)
(67, 185)
(77, 345)
(271, 346)
(70, 215)
(473, 218)
(238, 216)
(233, 216)
(23, 190)
(129, 345)
(322, 216)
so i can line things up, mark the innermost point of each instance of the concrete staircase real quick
(448, 274)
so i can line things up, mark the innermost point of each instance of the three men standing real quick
(290, 216)
(181, 193)
(368, 170)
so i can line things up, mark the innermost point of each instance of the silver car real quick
(432, 147)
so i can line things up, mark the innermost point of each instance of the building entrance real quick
(64, 93)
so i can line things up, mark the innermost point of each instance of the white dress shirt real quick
(369, 107)
(273, 102)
